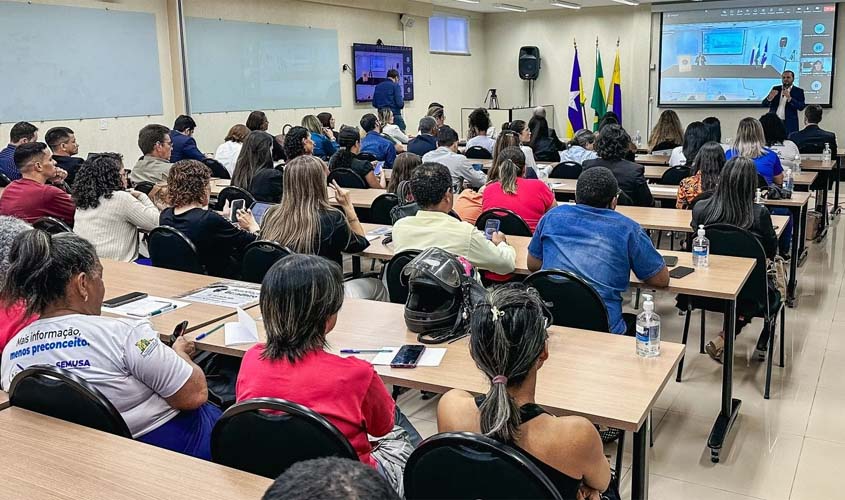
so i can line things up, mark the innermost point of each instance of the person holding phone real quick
(301, 297)
(346, 157)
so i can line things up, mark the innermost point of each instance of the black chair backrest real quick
(144, 187)
(571, 300)
(468, 465)
(396, 289)
(231, 193)
(52, 225)
(259, 257)
(381, 207)
(4, 180)
(547, 155)
(478, 153)
(171, 249)
(265, 436)
(566, 170)
(810, 148)
(363, 155)
(347, 178)
(55, 392)
(674, 175)
(510, 223)
(624, 199)
(733, 241)
(217, 168)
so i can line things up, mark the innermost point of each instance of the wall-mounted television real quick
(371, 64)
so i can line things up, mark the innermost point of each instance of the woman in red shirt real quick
(528, 198)
(13, 318)
(300, 299)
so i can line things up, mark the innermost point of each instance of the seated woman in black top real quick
(508, 343)
(612, 145)
(733, 203)
(254, 169)
(350, 145)
(545, 146)
(306, 222)
(218, 242)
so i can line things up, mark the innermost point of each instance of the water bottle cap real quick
(701, 230)
(648, 304)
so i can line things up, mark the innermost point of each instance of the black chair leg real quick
(620, 450)
(637, 301)
(659, 236)
(782, 333)
(769, 327)
(650, 429)
(684, 341)
(701, 337)
(672, 240)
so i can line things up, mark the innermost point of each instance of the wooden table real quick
(575, 380)
(217, 185)
(49, 459)
(654, 172)
(4, 400)
(659, 160)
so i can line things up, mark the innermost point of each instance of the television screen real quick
(733, 56)
(371, 64)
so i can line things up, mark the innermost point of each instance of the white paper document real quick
(146, 308)
(432, 356)
(245, 331)
(377, 233)
(226, 295)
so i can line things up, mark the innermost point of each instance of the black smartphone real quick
(680, 272)
(236, 206)
(670, 260)
(180, 330)
(408, 356)
(124, 299)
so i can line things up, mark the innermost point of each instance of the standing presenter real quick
(786, 101)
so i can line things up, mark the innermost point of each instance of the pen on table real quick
(206, 334)
(164, 309)
(364, 351)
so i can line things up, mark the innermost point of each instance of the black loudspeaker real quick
(529, 63)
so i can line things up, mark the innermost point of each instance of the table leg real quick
(823, 229)
(356, 266)
(639, 465)
(837, 178)
(730, 406)
(793, 262)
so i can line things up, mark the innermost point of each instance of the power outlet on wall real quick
(104, 124)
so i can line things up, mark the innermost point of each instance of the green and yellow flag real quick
(598, 103)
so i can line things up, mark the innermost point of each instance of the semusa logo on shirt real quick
(69, 364)
(146, 346)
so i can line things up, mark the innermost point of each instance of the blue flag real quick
(575, 109)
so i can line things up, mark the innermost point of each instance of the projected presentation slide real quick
(714, 57)
(372, 62)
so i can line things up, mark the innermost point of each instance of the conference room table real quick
(595, 375)
(647, 159)
(49, 459)
(654, 172)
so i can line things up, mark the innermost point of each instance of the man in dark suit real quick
(812, 139)
(184, 145)
(62, 142)
(786, 101)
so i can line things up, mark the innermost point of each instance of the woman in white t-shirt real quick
(160, 393)
(385, 116)
(696, 135)
(228, 152)
(775, 132)
(479, 123)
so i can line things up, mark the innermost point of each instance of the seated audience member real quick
(330, 478)
(257, 120)
(812, 138)
(733, 203)
(438, 113)
(609, 118)
(228, 152)
(544, 146)
(325, 144)
(13, 317)
(156, 144)
(350, 145)
(705, 171)
(32, 197)
(714, 130)
(432, 226)
(540, 112)
(612, 146)
(160, 393)
(219, 244)
(21, 133)
(524, 134)
(667, 134)
(576, 237)
(468, 204)
(389, 128)
(62, 142)
(458, 165)
(774, 133)
(254, 170)
(327, 121)
(403, 169)
(581, 147)
(509, 344)
(695, 136)
(426, 140)
(307, 223)
(528, 198)
(298, 142)
(108, 215)
(479, 123)
(508, 138)
(750, 142)
(301, 297)
(373, 143)
(184, 144)
(389, 94)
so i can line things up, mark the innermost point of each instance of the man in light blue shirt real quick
(597, 243)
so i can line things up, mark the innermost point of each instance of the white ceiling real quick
(531, 5)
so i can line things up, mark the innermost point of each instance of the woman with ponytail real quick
(350, 145)
(528, 198)
(508, 343)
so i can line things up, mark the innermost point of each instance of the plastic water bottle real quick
(638, 139)
(788, 182)
(648, 330)
(700, 249)
(797, 162)
(758, 196)
(826, 152)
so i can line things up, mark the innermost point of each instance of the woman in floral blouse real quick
(706, 168)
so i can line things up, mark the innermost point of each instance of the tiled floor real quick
(789, 447)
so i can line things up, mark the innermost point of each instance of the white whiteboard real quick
(240, 66)
(72, 63)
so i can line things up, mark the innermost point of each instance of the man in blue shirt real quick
(382, 149)
(21, 133)
(184, 144)
(388, 94)
(426, 140)
(598, 244)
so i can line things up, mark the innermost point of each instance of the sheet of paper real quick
(245, 331)
(432, 356)
(146, 308)
(225, 294)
